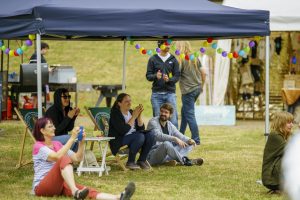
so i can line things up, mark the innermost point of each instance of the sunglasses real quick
(66, 96)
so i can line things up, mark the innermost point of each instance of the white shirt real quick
(127, 118)
(164, 58)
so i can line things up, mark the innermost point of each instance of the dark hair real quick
(168, 107)
(254, 50)
(119, 99)
(39, 124)
(160, 42)
(44, 45)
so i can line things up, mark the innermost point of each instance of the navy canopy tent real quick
(136, 18)
(118, 19)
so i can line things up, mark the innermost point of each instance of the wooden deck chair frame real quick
(30, 115)
(118, 158)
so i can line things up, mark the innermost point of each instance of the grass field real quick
(232, 155)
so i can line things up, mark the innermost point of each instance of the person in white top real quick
(53, 169)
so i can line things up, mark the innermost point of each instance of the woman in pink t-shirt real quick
(53, 169)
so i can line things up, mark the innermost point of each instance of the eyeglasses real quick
(66, 96)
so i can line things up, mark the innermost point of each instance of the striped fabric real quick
(41, 165)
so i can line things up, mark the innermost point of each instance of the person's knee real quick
(139, 139)
(168, 145)
(64, 161)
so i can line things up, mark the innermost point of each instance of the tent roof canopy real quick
(284, 15)
(117, 19)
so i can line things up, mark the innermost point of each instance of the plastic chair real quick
(28, 118)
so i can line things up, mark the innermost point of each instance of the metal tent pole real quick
(267, 88)
(124, 67)
(39, 74)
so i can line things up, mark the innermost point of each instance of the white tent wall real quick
(221, 74)
(284, 15)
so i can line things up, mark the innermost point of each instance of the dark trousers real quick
(137, 141)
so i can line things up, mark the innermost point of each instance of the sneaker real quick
(144, 165)
(132, 166)
(186, 161)
(129, 190)
(171, 163)
(197, 161)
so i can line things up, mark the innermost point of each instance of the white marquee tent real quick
(284, 15)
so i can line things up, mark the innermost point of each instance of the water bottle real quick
(80, 134)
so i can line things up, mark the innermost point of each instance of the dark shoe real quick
(132, 166)
(197, 161)
(186, 161)
(278, 192)
(171, 163)
(144, 165)
(129, 190)
(81, 194)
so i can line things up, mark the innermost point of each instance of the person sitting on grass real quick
(53, 170)
(281, 129)
(171, 146)
(127, 126)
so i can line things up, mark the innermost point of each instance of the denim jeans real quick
(137, 141)
(64, 139)
(188, 114)
(157, 99)
(167, 151)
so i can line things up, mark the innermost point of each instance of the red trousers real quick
(53, 183)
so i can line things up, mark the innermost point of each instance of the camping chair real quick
(28, 117)
(100, 117)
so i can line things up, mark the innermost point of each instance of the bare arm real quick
(54, 156)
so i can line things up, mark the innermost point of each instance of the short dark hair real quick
(39, 124)
(160, 42)
(44, 45)
(168, 107)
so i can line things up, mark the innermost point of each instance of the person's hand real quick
(158, 74)
(181, 143)
(77, 111)
(191, 142)
(166, 78)
(71, 113)
(137, 111)
(74, 133)
(141, 109)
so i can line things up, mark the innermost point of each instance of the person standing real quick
(191, 83)
(163, 71)
(44, 49)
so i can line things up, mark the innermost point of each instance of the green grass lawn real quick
(232, 155)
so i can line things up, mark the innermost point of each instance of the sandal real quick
(81, 194)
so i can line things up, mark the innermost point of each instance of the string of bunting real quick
(208, 43)
(20, 50)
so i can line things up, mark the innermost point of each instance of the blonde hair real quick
(185, 48)
(280, 119)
